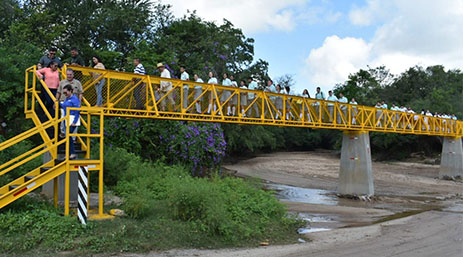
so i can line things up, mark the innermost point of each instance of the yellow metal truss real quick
(140, 96)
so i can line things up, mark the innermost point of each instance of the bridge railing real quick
(134, 95)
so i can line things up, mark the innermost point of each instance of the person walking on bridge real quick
(343, 107)
(226, 94)
(198, 92)
(212, 80)
(165, 87)
(139, 89)
(234, 100)
(319, 95)
(97, 64)
(253, 86)
(305, 94)
(244, 97)
(331, 98)
(186, 88)
(354, 110)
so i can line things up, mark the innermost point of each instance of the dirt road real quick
(400, 187)
(429, 234)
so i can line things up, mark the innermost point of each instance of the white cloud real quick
(250, 15)
(417, 33)
(330, 63)
(374, 11)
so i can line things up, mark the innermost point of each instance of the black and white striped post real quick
(82, 197)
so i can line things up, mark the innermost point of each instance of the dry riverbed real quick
(412, 214)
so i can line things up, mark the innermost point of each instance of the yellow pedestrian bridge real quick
(132, 95)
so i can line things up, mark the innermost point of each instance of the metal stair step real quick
(12, 187)
(27, 178)
(44, 169)
(63, 151)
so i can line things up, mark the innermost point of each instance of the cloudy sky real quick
(321, 42)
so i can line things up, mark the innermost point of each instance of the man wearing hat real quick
(166, 86)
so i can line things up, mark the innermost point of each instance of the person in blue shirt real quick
(71, 101)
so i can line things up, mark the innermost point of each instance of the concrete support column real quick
(451, 165)
(355, 172)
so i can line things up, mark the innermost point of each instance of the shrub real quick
(229, 208)
(197, 145)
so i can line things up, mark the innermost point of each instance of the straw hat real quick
(160, 65)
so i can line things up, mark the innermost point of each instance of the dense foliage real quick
(166, 208)
(199, 146)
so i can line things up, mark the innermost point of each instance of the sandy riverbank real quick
(400, 187)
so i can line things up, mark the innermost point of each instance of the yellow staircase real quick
(47, 125)
(143, 96)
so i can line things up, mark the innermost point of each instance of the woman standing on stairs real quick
(98, 85)
(50, 76)
(74, 121)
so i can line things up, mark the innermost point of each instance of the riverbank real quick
(407, 196)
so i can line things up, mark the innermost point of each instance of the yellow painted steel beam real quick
(310, 113)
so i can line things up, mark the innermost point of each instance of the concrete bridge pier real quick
(355, 172)
(451, 165)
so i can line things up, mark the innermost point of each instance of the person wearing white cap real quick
(166, 86)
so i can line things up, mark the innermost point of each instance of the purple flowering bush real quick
(200, 146)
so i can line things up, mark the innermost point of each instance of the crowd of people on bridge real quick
(248, 105)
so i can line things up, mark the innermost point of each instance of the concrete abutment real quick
(356, 172)
(451, 165)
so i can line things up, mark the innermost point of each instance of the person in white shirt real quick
(198, 92)
(165, 87)
(378, 114)
(278, 100)
(185, 76)
(288, 103)
(319, 95)
(226, 94)
(252, 85)
(383, 104)
(343, 107)
(212, 80)
(243, 97)
(305, 94)
(354, 110)
(269, 88)
(137, 92)
(330, 106)
(395, 117)
(234, 100)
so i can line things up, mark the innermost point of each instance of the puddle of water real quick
(311, 230)
(458, 207)
(303, 195)
(316, 218)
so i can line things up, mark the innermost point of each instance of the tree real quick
(204, 46)
(286, 80)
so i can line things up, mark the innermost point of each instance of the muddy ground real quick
(413, 213)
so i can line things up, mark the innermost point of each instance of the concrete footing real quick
(355, 172)
(451, 165)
